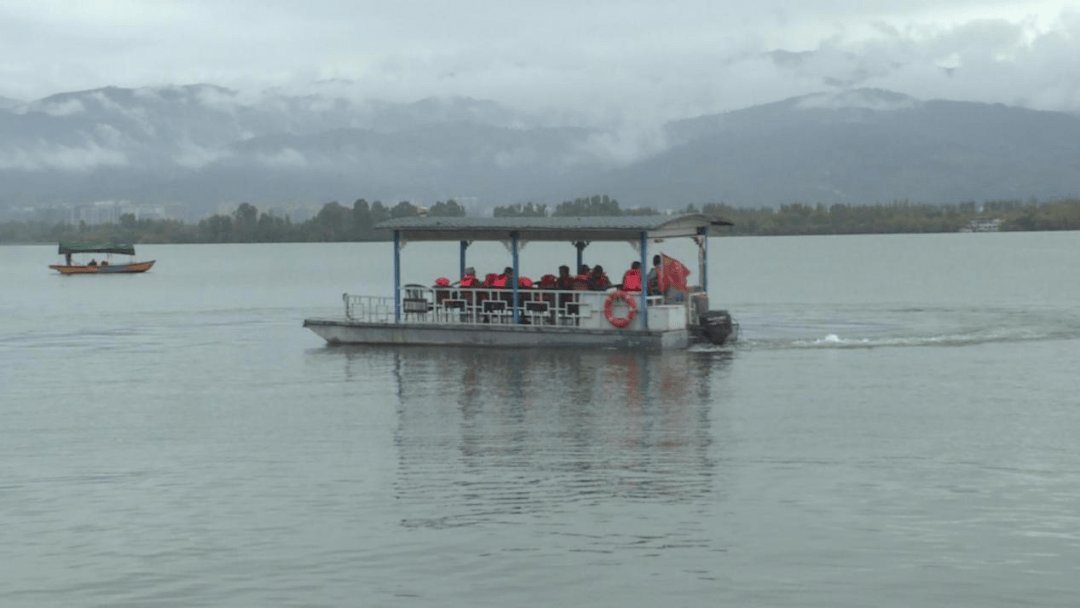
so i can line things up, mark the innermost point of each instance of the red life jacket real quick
(525, 282)
(631, 281)
(470, 281)
(489, 280)
(499, 282)
(442, 282)
(547, 281)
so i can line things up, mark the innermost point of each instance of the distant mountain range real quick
(206, 146)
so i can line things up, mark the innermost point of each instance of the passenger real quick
(565, 280)
(525, 291)
(581, 281)
(93, 262)
(653, 279)
(500, 282)
(469, 280)
(549, 282)
(598, 281)
(442, 291)
(527, 297)
(504, 280)
(104, 262)
(631, 280)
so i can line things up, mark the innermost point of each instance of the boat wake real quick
(910, 328)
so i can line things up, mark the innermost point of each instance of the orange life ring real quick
(620, 322)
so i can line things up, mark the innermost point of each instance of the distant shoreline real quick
(339, 224)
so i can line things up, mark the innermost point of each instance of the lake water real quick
(897, 427)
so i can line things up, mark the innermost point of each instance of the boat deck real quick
(443, 315)
(485, 307)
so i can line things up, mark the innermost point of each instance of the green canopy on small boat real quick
(66, 248)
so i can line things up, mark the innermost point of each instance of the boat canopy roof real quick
(66, 248)
(621, 228)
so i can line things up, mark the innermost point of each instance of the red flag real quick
(672, 274)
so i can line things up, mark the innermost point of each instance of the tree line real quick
(803, 219)
(246, 224)
(898, 217)
(600, 205)
(336, 223)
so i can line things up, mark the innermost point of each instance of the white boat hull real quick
(345, 331)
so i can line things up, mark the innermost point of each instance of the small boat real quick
(525, 316)
(95, 267)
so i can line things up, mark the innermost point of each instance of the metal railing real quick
(370, 309)
(469, 306)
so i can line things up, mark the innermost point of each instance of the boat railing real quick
(472, 306)
(370, 309)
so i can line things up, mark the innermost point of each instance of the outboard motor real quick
(718, 327)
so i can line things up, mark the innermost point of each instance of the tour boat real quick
(95, 267)
(518, 315)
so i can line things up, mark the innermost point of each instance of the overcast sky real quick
(604, 58)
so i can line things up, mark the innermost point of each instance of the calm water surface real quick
(898, 427)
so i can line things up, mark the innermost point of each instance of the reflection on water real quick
(484, 434)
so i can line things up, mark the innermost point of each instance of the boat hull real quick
(344, 331)
(107, 269)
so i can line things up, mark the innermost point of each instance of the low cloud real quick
(620, 147)
(69, 107)
(72, 159)
(859, 99)
(598, 63)
(287, 158)
(192, 156)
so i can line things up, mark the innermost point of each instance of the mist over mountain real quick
(859, 147)
(206, 146)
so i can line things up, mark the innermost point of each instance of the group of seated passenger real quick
(487, 305)
(587, 279)
(494, 295)
(491, 281)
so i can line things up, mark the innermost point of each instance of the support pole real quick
(580, 255)
(397, 276)
(461, 268)
(514, 255)
(703, 258)
(644, 281)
